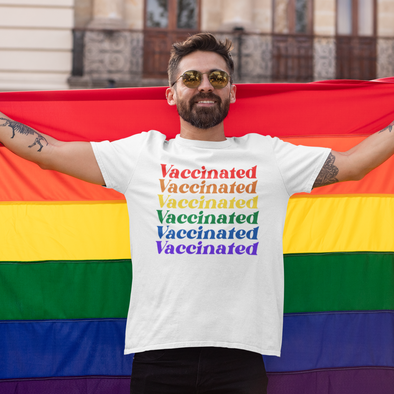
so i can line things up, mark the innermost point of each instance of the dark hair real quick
(200, 42)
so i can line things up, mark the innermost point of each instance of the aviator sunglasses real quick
(192, 79)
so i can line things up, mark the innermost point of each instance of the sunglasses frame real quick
(199, 72)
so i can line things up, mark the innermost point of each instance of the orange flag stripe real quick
(378, 181)
(24, 181)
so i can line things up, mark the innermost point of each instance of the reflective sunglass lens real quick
(218, 79)
(192, 79)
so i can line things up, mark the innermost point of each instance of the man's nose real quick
(205, 85)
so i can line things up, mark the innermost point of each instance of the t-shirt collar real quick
(203, 144)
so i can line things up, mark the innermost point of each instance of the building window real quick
(187, 11)
(157, 14)
(356, 17)
(356, 39)
(293, 16)
(292, 40)
(172, 14)
(166, 21)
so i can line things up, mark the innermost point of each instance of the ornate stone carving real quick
(324, 58)
(118, 55)
(252, 56)
(385, 66)
(113, 55)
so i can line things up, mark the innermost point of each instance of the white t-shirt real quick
(206, 225)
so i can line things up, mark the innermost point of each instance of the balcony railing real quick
(130, 58)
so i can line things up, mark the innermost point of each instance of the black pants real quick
(199, 370)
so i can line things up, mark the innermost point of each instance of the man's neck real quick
(190, 132)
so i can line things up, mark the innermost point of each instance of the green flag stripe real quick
(339, 282)
(64, 290)
(101, 289)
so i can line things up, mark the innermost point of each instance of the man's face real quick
(203, 107)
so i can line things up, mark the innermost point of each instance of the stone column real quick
(108, 14)
(112, 54)
(237, 14)
(324, 42)
(252, 52)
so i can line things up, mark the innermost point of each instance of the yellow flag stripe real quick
(340, 224)
(35, 232)
(32, 232)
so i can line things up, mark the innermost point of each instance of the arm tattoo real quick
(328, 173)
(390, 127)
(23, 129)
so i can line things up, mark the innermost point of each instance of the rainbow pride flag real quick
(65, 269)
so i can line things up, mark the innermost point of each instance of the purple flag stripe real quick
(80, 385)
(337, 381)
(333, 381)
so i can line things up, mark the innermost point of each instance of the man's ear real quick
(170, 95)
(233, 94)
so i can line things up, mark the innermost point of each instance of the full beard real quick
(204, 117)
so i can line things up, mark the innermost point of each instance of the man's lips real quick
(205, 102)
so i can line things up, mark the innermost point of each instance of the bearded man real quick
(206, 221)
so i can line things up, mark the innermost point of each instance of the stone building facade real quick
(59, 44)
(35, 44)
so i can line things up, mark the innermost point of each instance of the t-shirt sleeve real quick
(118, 159)
(299, 165)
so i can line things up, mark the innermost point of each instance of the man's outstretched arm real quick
(72, 158)
(357, 162)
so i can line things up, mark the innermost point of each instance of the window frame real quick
(291, 21)
(158, 41)
(355, 21)
(172, 18)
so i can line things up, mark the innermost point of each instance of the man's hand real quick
(72, 158)
(357, 162)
